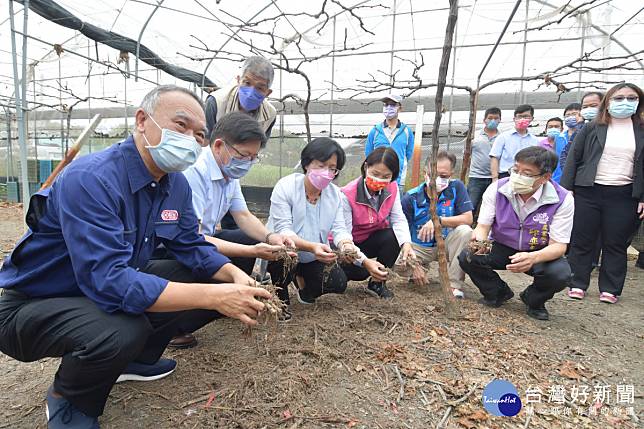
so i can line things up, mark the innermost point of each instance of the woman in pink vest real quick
(373, 214)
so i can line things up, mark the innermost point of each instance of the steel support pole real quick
(21, 103)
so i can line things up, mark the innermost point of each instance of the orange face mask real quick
(375, 184)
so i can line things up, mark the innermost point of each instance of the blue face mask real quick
(571, 121)
(250, 98)
(622, 109)
(390, 111)
(236, 168)
(492, 124)
(553, 132)
(589, 113)
(175, 152)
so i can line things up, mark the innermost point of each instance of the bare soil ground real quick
(354, 361)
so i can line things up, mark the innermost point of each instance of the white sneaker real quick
(458, 293)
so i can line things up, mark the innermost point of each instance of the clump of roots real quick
(479, 247)
(405, 269)
(289, 257)
(274, 307)
(342, 257)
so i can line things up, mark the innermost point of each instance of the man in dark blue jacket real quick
(80, 284)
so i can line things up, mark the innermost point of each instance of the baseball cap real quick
(392, 97)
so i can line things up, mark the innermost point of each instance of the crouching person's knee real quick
(123, 340)
(465, 260)
(559, 274)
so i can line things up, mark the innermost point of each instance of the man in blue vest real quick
(80, 285)
(529, 218)
(392, 132)
(454, 210)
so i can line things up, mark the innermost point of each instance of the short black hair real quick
(321, 149)
(572, 106)
(382, 155)
(591, 93)
(443, 154)
(238, 128)
(545, 160)
(557, 119)
(524, 108)
(492, 111)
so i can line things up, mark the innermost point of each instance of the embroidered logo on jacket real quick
(541, 218)
(169, 215)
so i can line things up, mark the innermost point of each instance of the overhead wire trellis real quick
(348, 52)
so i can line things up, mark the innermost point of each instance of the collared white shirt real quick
(561, 226)
(507, 144)
(212, 194)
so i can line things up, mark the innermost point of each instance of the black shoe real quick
(505, 295)
(640, 261)
(539, 313)
(379, 289)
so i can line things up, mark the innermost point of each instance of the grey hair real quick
(151, 99)
(259, 66)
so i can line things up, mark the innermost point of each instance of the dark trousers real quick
(381, 245)
(608, 213)
(316, 283)
(548, 277)
(228, 222)
(504, 175)
(238, 236)
(476, 186)
(95, 346)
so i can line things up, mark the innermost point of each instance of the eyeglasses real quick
(523, 117)
(621, 98)
(253, 159)
(514, 170)
(333, 171)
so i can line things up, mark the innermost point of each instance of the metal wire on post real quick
(138, 41)
(451, 91)
(21, 102)
(281, 121)
(393, 39)
(332, 82)
(523, 56)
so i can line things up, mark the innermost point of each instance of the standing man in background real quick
(573, 121)
(507, 144)
(248, 96)
(480, 173)
(394, 133)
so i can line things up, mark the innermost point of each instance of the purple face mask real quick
(320, 177)
(250, 98)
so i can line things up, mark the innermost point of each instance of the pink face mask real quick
(320, 177)
(522, 123)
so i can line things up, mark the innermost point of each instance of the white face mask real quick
(521, 184)
(441, 183)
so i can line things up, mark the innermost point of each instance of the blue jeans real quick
(475, 188)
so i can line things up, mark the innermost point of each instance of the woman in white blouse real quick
(308, 209)
(605, 170)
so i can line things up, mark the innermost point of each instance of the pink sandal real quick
(608, 298)
(576, 293)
